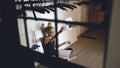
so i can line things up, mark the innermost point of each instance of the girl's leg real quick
(71, 57)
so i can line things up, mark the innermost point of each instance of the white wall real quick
(113, 51)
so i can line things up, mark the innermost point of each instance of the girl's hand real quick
(62, 29)
(67, 42)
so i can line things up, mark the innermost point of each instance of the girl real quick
(48, 42)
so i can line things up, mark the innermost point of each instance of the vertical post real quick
(55, 2)
(25, 25)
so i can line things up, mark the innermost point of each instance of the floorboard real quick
(90, 52)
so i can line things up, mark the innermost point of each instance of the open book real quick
(65, 54)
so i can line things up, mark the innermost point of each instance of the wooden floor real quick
(89, 52)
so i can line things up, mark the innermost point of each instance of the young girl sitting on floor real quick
(49, 42)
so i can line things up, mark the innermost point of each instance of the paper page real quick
(64, 53)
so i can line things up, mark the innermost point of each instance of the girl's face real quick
(51, 32)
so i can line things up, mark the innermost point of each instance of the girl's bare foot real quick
(71, 58)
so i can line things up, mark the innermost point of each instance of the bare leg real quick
(71, 58)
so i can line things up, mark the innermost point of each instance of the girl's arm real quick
(67, 42)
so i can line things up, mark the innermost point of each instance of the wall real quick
(113, 50)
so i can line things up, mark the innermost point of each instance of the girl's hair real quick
(47, 29)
